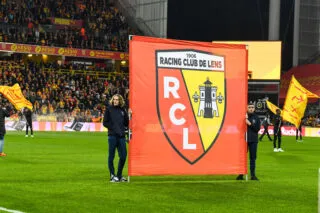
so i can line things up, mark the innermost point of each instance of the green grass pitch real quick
(67, 172)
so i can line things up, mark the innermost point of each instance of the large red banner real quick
(189, 104)
(37, 49)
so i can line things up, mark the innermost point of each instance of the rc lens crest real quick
(190, 100)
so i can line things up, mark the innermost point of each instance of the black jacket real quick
(266, 122)
(116, 119)
(253, 129)
(28, 114)
(3, 113)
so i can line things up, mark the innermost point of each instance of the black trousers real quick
(277, 136)
(29, 125)
(119, 143)
(265, 132)
(297, 133)
(253, 147)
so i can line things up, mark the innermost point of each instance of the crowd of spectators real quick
(312, 115)
(312, 120)
(26, 21)
(63, 95)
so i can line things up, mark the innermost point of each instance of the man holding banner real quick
(116, 119)
(253, 127)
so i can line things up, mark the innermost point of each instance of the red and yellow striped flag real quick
(15, 96)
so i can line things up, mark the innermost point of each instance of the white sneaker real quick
(114, 179)
(26, 136)
(123, 179)
(280, 150)
(275, 150)
(32, 136)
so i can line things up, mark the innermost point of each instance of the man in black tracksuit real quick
(277, 131)
(116, 119)
(253, 127)
(265, 124)
(28, 115)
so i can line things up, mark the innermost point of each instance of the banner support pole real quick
(129, 137)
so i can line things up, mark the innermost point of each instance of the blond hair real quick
(121, 101)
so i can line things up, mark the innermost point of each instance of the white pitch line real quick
(10, 210)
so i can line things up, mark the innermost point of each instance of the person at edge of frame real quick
(5, 111)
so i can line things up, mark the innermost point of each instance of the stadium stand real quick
(78, 24)
(66, 90)
(62, 90)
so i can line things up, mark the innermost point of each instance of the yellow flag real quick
(296, 102)
(273, 108)
(299, 87)
(15, 96)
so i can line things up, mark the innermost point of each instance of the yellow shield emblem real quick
(190, 100)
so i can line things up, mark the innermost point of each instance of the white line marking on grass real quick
(10, 210)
